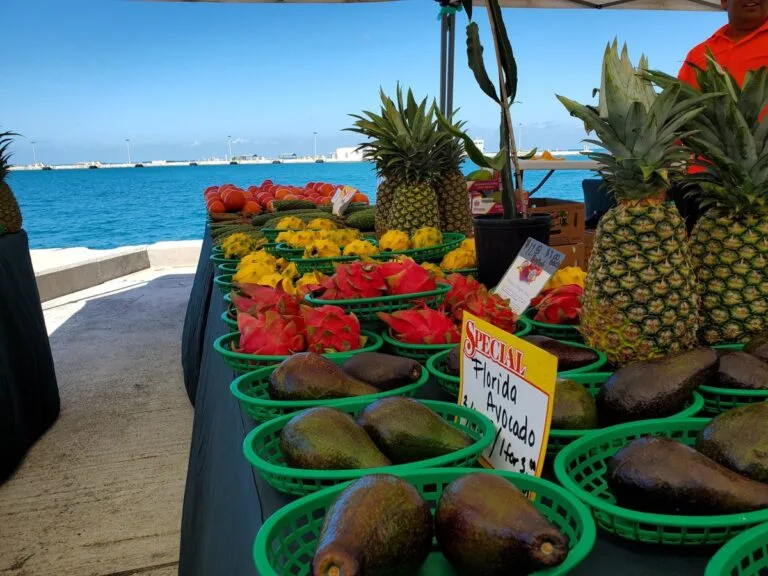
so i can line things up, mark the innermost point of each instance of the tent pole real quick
(451, 54)
(443, 34)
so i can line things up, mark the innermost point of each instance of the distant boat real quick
(46, 168)
(93, 167)
(233, 163)
(276, 162)
(139, 165)
(193, 163)
(319, 161)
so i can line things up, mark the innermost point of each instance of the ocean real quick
(108, 208)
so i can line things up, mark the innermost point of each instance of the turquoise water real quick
(114, 207)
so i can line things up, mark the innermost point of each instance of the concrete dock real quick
(101, 493)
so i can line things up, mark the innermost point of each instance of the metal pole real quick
(128, 146)
(451, 54)
(34, 154)
(229, 140)
(315, 135)
(443, 34)
(520, 137)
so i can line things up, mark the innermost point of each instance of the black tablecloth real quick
(29, 395)
(226, 500)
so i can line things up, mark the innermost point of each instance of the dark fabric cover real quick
(29, 395)
(686, 205)
(226, 499)
(195, 319)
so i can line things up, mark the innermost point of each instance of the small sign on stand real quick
(341, 199)
(530, 271)
(513, 383)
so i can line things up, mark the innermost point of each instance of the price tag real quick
(513, 383)
(341, 199)
(525, 278)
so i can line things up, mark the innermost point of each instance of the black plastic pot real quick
(498, 241)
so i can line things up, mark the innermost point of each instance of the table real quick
(226, 500)
(29, 394)
(552, 166)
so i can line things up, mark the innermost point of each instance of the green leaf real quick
(476, 63)
(496, 162)
(508, 63)
(467, 5)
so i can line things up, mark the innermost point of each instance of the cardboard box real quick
(574, 255)
(589, 241)
(567, 219)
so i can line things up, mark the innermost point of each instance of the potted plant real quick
(498, 239)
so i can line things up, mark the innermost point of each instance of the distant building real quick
(348, 154)
(480, 143)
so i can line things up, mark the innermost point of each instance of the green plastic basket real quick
(286, 543)
(282, 250)
(451, 241)
(270, 247)
(718, 400)
(224, 282)
(581, 469)
(564, 332)
(251, 390)
(323, 265)
(243, 363)
(271, 234)
(219, 259)
(463, 271)
(594, 367)
(745, 555)
(227, 319)
(423, 352)
(228, 268)
(559, 439)
(366, 308)
(217, 250)
(262, 449)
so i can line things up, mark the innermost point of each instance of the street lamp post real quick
(34, 153)
(520, 136)
(229, 141)
(128, 147)
(315, 135)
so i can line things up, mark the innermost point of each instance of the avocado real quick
(452, 361)
(327, 439)
(378, 526)
(407, 431)
(743, 371)
(383, 371)
(485, 526)
(758, 346)
(738, 439)
(569, 357)
(656, 474)
(309, 376)
(574, 407)
(655, 389)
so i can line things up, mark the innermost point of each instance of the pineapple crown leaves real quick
(6, 139)
(639, 128)
(729, 138)
(404, 139)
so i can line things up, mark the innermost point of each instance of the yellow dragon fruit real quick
(310, 279)
(287, 269)
(468, 244)
(433, 269)
(426, 237)
(290, 223)
(270, 280)
(322, 249)
(565, 276)
(360, 248)
(394, 241)
(238, 245)
(252, 273)
(321, 224)
(458, 259)
(300, 239)
(260, 256)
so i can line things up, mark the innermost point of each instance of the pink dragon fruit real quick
(269, 334)
(262, 298)
(421, 326)
(560, 305)
(489, 307)
(461, 286)
(406, 277)
(355, 280)
(330, 329)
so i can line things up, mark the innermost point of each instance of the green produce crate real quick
(423, 352)
(463, 271)
(745, 555)
(366, 308)
(224, 282)
(717, 400)
(563, 332)
(282, 250)
(270, 247)
(243, 363)
(229, 321)
(251, 390)
(271, 234)
(559, 439)
(325, 266)
(451, 241)
(217, 258)
(594, 367)
(217, 250)
(262, 449)
(228, 268)
(287, 541)
(581, 468)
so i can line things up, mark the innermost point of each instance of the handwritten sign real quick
(529, 272)
(513, 383)
(341, 199)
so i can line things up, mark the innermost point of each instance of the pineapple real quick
(452, 195)
(10, 215)
(407, 148)
(729, 243)
(640, 299)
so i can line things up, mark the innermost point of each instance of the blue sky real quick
(81, 76)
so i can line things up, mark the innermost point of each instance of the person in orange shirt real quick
(739, 46)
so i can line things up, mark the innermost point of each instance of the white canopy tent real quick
(448, 22)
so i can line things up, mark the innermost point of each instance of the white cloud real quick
(195, 144)
(240, 141)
